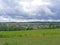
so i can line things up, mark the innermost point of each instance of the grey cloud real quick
(10, 8)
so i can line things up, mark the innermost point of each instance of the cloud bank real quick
(29, 10)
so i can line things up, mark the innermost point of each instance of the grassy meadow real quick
(30, 37)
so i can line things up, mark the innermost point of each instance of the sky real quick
(29, 10)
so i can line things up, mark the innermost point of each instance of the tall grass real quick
(30, 37)
(29, 33)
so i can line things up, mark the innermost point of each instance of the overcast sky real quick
(29, 10)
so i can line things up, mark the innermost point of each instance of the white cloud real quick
(1, 5)
(25, 9)
(32, 6)
(6, 19)
(9, 19)
(48, 11)
(3, 19)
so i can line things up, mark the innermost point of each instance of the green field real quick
(30, 37)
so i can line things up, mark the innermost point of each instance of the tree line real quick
(27, 26)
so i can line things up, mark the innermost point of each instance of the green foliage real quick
(30, 37)
(6, 43)
(29, 33)
(28, 26)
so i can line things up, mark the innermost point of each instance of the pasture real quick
(30, 37)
